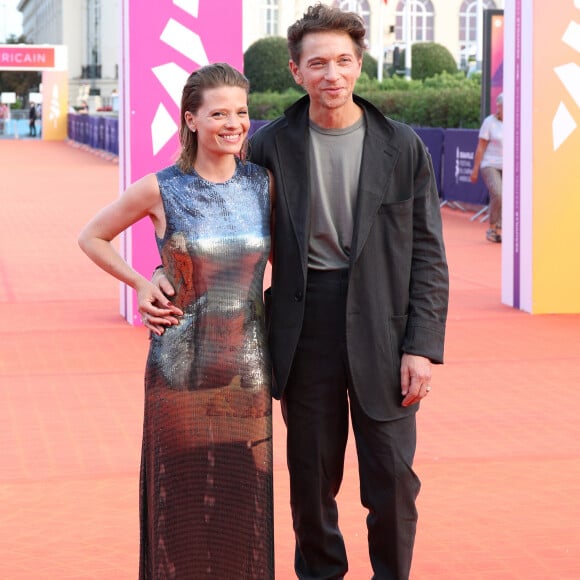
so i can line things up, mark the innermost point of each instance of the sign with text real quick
(459, 146)
(30, 57)
(8, 98)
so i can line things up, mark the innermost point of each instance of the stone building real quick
(90, 29)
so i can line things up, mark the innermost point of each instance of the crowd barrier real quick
(458, 153)
(452, 152)
(96, 132)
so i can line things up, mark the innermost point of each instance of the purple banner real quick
(459, 146)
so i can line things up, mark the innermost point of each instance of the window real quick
(468, 28)
(361, 7)
(422, 21)
(468, 19)
(271, 13)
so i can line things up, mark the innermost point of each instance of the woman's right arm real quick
(481, 147)
(141, 199)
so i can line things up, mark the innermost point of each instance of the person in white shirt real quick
(489, 158)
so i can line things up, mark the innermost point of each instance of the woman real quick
(489, 158)
(206, 471)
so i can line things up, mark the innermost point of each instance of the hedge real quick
(451, 107)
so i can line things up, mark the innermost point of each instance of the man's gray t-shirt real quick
(335, 160)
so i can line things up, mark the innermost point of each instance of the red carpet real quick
(499, 445)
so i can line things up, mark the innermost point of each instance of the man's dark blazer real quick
(398, 285)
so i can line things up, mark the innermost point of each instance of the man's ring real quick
(428, 388)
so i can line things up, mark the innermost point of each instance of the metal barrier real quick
(97, 132)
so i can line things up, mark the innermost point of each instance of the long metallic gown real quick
(206, 470)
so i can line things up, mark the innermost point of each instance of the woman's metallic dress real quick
(206, 472)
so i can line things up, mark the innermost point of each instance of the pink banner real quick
(496, 57)
(26, 57)
(162, 46)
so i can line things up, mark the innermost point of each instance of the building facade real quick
(90, 29)
(452, 23)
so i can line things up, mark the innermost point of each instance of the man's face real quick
(328, 70)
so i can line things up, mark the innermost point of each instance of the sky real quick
(10, 19)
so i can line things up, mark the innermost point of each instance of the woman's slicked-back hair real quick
(322, 18)
(211, 76)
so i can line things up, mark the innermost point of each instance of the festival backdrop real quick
(160, 49)
(540, 263)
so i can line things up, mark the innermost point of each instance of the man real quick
(358, 303)
(32, 120)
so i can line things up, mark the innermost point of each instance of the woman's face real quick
(222, 121)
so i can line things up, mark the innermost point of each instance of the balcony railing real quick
(91, 71)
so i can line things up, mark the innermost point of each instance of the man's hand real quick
(415, 378)
(157, 311)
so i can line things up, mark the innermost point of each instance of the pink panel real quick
(217, 24)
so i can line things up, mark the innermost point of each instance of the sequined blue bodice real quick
(214, 250)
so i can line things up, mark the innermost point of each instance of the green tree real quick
(429, 59)
(369, 65)
(266, 65)
(444, 100)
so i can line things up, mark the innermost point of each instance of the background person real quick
(206, 471)
(4, 118)
(489, 158)
(32, 120)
